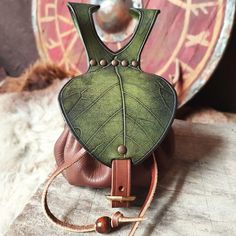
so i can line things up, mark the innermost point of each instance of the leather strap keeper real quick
(121, 183)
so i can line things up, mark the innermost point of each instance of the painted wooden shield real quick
(189, 36)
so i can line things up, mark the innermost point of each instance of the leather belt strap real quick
(121, 181)
(115, 219)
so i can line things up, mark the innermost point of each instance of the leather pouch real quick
(117, 118)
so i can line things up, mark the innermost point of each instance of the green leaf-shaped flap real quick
(115, 103)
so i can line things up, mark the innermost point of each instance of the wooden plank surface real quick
(196, 194)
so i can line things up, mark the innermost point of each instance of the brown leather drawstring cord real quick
(151, 193)
(103, 224)
(48, 213)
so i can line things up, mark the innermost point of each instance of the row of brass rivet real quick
(114, 62)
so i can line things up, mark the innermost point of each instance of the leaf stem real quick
(123, 104)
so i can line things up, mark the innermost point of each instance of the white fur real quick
(30, 123)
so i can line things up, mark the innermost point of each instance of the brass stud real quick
(124, 63)
(93, 62)
(103, 62)
(115, 62)
(134, 63)
(122, 149)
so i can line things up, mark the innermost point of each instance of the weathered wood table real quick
(196, 194)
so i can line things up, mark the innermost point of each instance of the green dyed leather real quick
(113, 105)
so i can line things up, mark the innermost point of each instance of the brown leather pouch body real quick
(91, 173)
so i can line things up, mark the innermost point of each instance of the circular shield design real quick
(186, 43)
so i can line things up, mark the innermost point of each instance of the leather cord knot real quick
(115, 219)
(118, 218)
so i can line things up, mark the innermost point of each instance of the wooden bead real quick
(103, 225)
